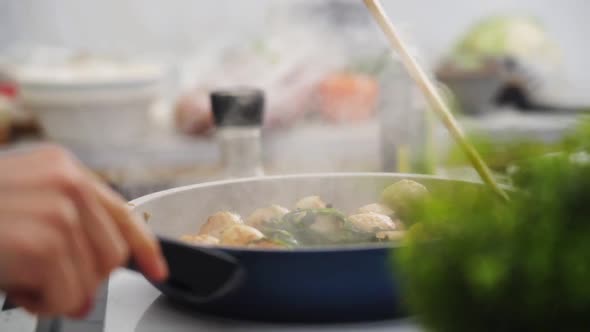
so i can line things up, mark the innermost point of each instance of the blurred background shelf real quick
(168, 159)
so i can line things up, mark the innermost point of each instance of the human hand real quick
(62, 232)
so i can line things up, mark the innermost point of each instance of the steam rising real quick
(304, 42)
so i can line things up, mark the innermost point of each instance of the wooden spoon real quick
(432, 95)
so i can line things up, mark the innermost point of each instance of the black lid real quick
(237, 107)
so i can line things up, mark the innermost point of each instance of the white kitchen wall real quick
(179, 26)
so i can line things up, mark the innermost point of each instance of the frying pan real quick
(304, 284)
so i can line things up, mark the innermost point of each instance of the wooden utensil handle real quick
(433, 96)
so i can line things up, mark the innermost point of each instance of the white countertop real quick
(134, 305)
(16, 320)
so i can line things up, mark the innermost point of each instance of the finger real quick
(62, 292)
(58, 211)
(20, 248)
(143, 244)
(53, 167)
(29, 301)
(84, 310)
(47, 166)
(108, 244)
(29, 167)
(43, 260)
(85, 261)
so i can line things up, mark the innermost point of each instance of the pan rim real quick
(149, 197)
(310, 250)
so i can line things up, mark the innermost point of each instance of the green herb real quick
(474, 263)
(500, 155)
(281, 237)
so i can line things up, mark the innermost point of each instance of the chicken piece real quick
(384, 210)
(218, 222)
(310, 202)
(240, 235)
(261, 217)
(371, 222)
(203, 240)
(390, 235)
(376, 208)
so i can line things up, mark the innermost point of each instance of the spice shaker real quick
(238, 115)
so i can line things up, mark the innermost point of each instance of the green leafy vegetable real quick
(473, 263)
(281, 237)
(506, 35)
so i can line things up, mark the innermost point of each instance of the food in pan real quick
(200, 239)
(264, 216)
(218, 222)
(313, 222)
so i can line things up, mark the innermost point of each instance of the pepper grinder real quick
(238, 115)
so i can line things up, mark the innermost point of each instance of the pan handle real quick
(197, 275)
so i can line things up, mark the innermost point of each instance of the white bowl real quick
(91, 105)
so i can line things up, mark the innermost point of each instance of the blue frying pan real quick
(299, 285)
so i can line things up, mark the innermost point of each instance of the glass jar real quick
(406, 125)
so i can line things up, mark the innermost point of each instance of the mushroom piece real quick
(240, 235)
(310, 202)
(261, 217)
(204, 240)
(376, 208)
(371, 222)
(218, 222)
